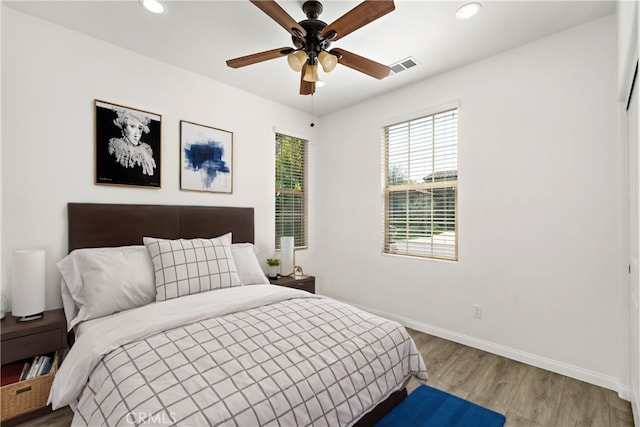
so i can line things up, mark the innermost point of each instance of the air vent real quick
(404, 64)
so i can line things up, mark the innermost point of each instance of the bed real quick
(219, 346)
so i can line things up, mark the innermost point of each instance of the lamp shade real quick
(311, 75)
(27, 284)
(297, 59)
(327, 61)
(287, 255)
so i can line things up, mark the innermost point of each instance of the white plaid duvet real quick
(292, 362)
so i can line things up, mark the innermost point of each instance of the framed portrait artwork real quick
(206, 158)
(127, 145)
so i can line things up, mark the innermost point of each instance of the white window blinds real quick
(290, 191)
(420, 186)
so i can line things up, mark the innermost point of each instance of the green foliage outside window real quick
(290, 197)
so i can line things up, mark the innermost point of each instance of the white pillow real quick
(103, 281)
(185, 267)
(249, 270)
(68, 304)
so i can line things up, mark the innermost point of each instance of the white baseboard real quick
(575, 372)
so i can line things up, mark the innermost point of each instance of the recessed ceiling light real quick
(153, 6)
(468, 10)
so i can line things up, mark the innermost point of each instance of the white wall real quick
(627, 24)
(539, 208)
(50, 78)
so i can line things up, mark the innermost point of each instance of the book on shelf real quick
(46, 366)
(26, 369)
(38, 366)
(11, 373)
(34, 368)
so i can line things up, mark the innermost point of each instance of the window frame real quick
(436, 183)
(303, 192)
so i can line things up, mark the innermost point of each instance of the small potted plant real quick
(273, 264)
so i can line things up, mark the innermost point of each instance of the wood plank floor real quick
(528, 396)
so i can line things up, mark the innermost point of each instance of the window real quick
(420, 186)
(291, 200)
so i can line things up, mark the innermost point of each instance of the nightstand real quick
(23, 340)
(306, 283)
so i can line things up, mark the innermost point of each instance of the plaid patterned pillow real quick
(184, 267)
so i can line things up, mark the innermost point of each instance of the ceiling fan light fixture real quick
(313, 37)
(311, 75)
(153, 6)
(327, 61)
(468, 10)
(297, 60)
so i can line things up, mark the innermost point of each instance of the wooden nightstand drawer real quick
(30, 345)
(308, 285)
(305, 283)
(21, 340)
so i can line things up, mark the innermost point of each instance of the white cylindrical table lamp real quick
(27, 284)
(287, 255)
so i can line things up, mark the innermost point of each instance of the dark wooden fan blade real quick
(279, 15)
(306, 88)
(362, 64)
(364, 13)
(258, 57)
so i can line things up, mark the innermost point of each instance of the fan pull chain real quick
(312, 124)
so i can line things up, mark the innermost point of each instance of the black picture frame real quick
(127, 146)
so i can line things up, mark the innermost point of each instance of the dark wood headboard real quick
(93, 225)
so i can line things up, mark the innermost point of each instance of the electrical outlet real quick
(477, 311)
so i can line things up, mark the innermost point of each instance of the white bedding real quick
(108, 373)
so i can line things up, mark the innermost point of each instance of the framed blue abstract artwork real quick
(206, 156)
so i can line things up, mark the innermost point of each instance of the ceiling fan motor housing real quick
(313, 43)
(312, 9)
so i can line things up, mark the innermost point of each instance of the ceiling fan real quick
(313, 37)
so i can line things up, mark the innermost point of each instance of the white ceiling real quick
(200, 35)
